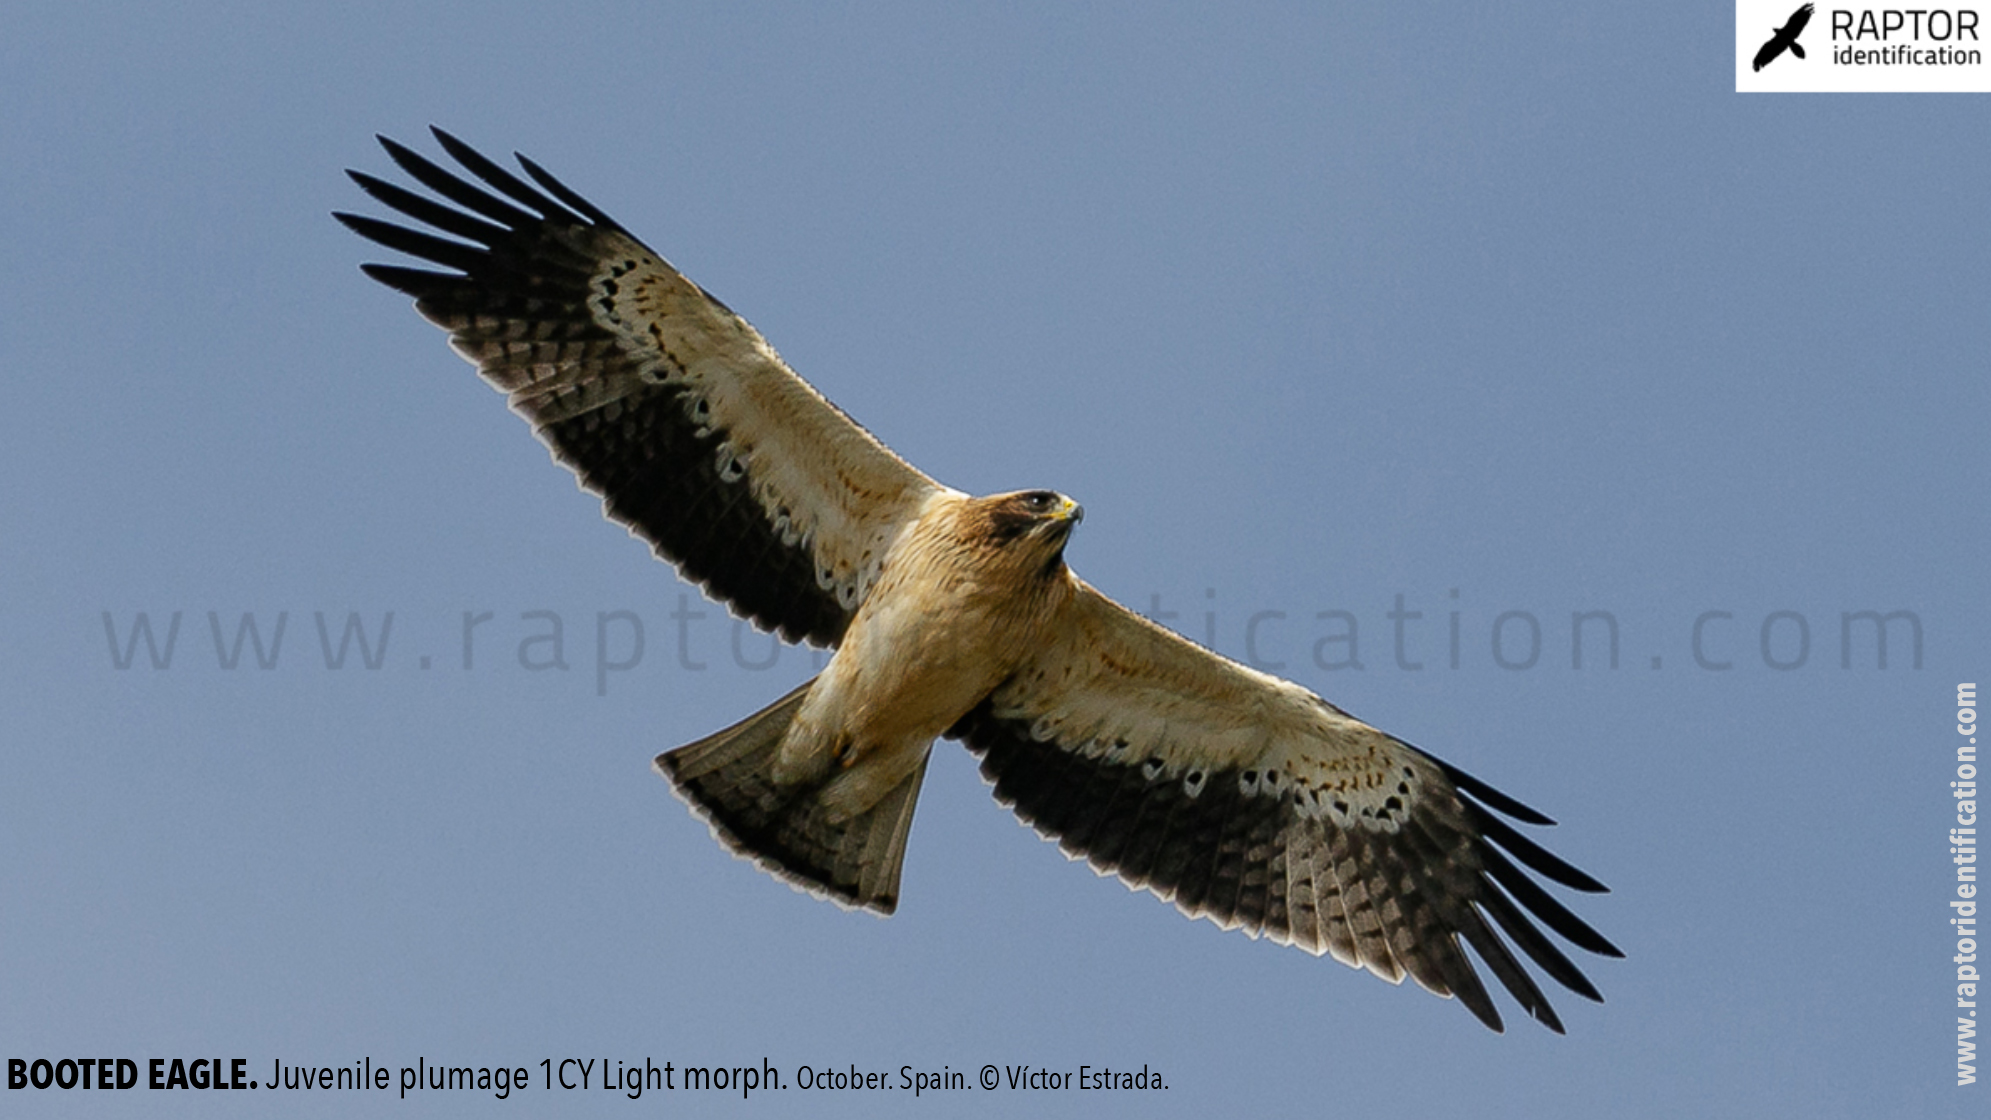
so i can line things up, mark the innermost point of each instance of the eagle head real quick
(1029, 524)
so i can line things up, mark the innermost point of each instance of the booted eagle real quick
(1240, 797)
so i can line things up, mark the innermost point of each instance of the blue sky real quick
(1515, 313)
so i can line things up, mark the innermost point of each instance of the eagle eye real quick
(1040, 501)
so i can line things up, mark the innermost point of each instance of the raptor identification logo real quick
(1783, 46)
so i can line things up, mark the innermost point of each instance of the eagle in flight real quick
(1240, 797)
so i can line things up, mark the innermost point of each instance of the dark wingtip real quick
(369, 183)
(1485, 1012)
(416, 282)
(565, 193)
(1534, 855)
(1493, 797)
(396, 150)
(506, 183)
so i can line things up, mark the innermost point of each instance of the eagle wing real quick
(661, 400)
(1246, 799)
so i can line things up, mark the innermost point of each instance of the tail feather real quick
(728, 780)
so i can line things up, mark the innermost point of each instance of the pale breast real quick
(947, 622)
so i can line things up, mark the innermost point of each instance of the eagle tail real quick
(1796, 50)
(785, 828)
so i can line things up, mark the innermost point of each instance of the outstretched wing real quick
(1795, 25)
(657, 396)
(1250, 801)
(1769, 51)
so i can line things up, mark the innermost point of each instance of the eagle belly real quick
(943, 627)
(901, 677)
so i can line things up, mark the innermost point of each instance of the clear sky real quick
(1490, 315)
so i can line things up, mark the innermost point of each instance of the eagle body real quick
(1236, 795)
(957, 607)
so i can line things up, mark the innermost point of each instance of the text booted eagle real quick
(1241, 797)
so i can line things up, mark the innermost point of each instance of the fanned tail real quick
(728, 780)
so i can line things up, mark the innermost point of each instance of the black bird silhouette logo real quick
(1785, 38)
